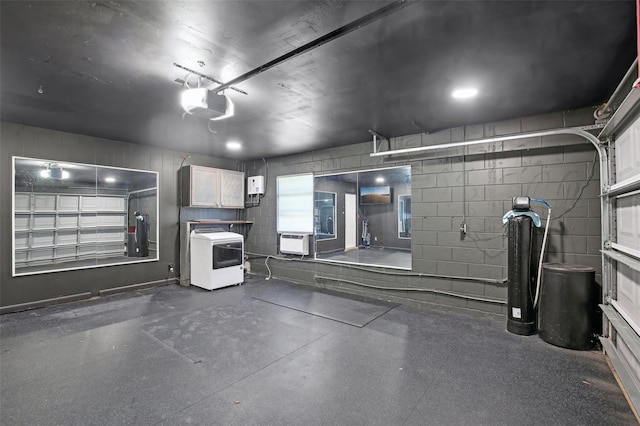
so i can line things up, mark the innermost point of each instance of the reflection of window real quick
(325, 215)
(404, 216)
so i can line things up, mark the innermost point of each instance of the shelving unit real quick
(59, 227)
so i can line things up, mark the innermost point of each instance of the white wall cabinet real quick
(53, 228)
(212, 188)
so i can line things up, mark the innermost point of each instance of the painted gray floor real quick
(174, 355)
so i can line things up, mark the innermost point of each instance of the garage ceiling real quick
(106, 68)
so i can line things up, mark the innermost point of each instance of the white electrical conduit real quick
(424, 290)
(544, 243)
(552, 132)
(381, 271)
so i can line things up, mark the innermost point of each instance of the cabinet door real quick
(232, 189)
(204, 187)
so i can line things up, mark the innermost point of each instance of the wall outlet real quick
(170, 267)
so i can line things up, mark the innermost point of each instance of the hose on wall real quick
(544, 244)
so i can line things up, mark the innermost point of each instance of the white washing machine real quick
(217, 259)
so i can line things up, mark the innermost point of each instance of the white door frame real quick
(350, 222)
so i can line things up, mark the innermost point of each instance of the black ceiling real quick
(106, 68)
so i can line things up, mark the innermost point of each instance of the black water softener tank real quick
(521, 315)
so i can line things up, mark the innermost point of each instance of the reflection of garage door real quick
(621, 254)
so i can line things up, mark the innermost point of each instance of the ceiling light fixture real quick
(380, 179)
(234, 146)
(110, 179)
(464, 93)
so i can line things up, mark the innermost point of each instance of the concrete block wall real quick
(473, 185)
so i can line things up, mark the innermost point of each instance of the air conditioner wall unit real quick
(294, 244)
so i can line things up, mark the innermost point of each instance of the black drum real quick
(566, 306)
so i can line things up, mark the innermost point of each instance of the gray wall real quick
(47, 144)
(554, 168)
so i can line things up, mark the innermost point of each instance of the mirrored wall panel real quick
(74, 216)
(369, 213)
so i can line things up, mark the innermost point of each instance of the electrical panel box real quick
(255, 185)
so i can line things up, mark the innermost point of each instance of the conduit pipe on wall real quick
(423, 290)
(384, 271)
(601, 149)
(428, 275)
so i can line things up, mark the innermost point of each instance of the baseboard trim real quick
(133, 287)
(82, 296)
(45, 302)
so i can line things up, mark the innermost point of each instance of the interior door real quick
(350, 222)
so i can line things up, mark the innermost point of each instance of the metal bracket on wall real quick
(375, 140)
(598, 125)
(607, 141)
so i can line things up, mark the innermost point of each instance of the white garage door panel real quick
(628, 300)
(629, 358)
(628, 153)
(621, 253)
(628, 216)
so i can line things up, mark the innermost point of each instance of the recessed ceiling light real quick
(110, 179)
(464, 93)
(379, 179)
(234, 146)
